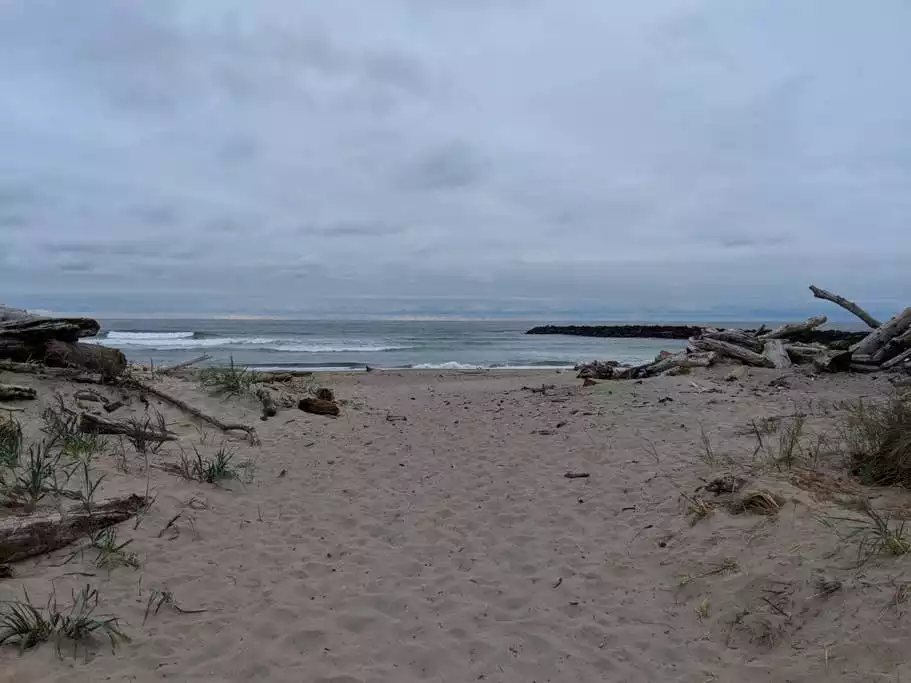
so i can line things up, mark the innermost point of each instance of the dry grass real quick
(874, 533)
(158, 599)
(878, 440)
(144, 429)
(760, 502)
(697, 508)
(729, 565)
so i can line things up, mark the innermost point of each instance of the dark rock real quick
(621, 331)
(105, 361)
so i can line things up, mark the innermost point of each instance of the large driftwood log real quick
(91, 423)
(702, 359)
(881, 336)
(895, 346)
(785, 331)
(44, 532)
(12, 392)
(804, 353)
(107, 362)
(833, 361)
(732, 351)
(739, 337)
(195, 412)
(44, 329)
(56, 373)
(775, 351)
(849, 306)
(897, 360)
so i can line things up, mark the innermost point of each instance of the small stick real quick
(577, 475)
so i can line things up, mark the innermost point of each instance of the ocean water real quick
(350, 345)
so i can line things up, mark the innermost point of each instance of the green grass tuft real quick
(27, 626)
(10, 442)
(232, 380)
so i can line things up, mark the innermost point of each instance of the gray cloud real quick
(590, 156)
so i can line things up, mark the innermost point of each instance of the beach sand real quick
(450, 546)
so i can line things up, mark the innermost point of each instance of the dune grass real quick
(10, 442)
(878, 440)
(26, 626)
(230, 380)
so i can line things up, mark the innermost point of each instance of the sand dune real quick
(450, 546)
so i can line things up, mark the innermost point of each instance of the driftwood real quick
(89, 395)
(804, 353)
(895, 346)
(785, 331)
(33, 330)
(318, 406)
(881, 336)
(44, 532)
(775, 351)
(56, 373)
(897, 360)
(833, 361)
(195, 412)
(90, 423)
(732, 351)
(12, 392)
(186, 364)
(736, 337)
(269, 407)
(107, 362)
(849, 306)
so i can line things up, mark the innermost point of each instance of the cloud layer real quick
(588, 157)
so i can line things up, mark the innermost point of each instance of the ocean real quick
(351, 345)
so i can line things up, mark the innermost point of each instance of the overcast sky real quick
(585, 157)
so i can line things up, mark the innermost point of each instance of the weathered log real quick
(90, 423)
(849, 306)
(882, 335)
(732, 351)
(832, 361)
(864, 368)
(44, 532)
(318, 406)
(702, 359)
(897, 360)
(105, 361)
(33, 330)
(739, 337)
(895, 346)
(13, 392)
(804, 353)
(785, 331)
(775, 351)
(186, 407)
(186, 364)
(599, 369)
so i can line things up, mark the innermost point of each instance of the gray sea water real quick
(351, 345)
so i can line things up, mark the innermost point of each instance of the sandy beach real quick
(430, 533)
